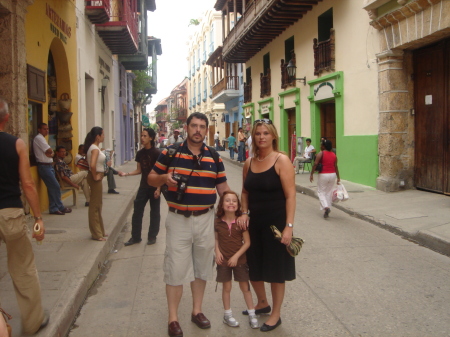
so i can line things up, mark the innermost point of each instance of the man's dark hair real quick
(232, 133)
(59, 147)
(198, 115)
(40, 125)
(151, 134)
(308, 139)
(81, 146)
(239, 129)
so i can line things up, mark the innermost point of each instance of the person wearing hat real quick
(175, 138)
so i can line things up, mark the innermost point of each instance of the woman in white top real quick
(96, 160)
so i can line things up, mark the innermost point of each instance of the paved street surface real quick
(353, 279)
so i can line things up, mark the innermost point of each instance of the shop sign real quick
(58, 26)
(324, 90)
(265, 108)
(103, 65)
(248, 112)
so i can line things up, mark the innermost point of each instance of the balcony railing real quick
(226, 83)
(248, 91)
(98, 11)
(199, 99)
(161, 117)
(120, 34)
(285, 81)
(324, 56)
(265, 84)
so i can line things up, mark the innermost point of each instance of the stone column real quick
(13, 63)
(394, 148)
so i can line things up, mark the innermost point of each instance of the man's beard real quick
(195, 141)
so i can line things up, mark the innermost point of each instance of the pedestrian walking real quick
(241, 150)
(146, 159)
(217, 141)
(328, 176)
(231, 244)
(175, 138)
(44, 159)
(14, 174)
(110, 172)
(268, 194)
(231, 145)
(193, 173)
(96, 160)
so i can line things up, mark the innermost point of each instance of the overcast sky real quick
(170, 23)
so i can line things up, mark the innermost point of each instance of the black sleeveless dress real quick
(267, 258)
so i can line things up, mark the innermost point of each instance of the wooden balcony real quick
(324, 56)
(180, 114)
(285, 80)
(266, 88)
(260, 23)
(161, 117)
(98, 11)
(248, 91)
(120, 34)
(226, 89)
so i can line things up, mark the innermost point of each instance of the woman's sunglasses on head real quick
(264, 120)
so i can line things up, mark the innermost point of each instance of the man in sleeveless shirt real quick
(15, 170)
(44, 159)
(193, 179)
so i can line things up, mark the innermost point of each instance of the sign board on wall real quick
(324, 90)
(248, 112)
(265, 108)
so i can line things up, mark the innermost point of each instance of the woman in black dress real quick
(268, 198)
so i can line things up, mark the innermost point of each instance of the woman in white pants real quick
(327, 176)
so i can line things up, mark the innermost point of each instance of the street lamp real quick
(291, 70)
(140, 95)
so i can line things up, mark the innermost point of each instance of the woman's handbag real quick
(296, 243)
(235, 150)
(7, 317)
(319, 166)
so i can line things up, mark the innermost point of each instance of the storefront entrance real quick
(432, 117)
(328, 122)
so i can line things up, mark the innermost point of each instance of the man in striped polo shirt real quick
(192, 177)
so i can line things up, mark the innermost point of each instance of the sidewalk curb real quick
(66, 309)
(428, 240)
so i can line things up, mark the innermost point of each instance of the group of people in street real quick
(237, 236)
(193, 174)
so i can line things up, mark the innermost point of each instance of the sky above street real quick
(170, 23)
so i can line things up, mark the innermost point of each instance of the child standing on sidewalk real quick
(231, 245)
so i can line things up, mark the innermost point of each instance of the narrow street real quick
(353, 279)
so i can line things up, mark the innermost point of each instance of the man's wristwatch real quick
(37, 218)
(290, 225)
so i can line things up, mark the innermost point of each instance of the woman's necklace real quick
(264, 157)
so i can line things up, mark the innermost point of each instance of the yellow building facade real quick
(51, 57)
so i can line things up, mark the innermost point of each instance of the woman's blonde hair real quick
(272, 130)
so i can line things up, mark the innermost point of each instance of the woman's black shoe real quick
(266, 327)
(265, 310)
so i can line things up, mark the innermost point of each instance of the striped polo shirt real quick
(203, 178)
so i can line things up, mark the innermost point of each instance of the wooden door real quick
(227, 130)
(235, 128)
(212, 131)
(431, 152)
(291, 130)
(328, 122)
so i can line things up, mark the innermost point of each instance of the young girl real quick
(231, 244)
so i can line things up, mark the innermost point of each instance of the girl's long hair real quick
(90, 137)
(220, 212)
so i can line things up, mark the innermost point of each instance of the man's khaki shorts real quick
(189, 248)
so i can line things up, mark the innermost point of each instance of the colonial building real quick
(413, 98)
(310, 67)
(201, 46)
(177, 107)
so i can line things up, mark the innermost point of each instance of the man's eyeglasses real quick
(264, 120)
